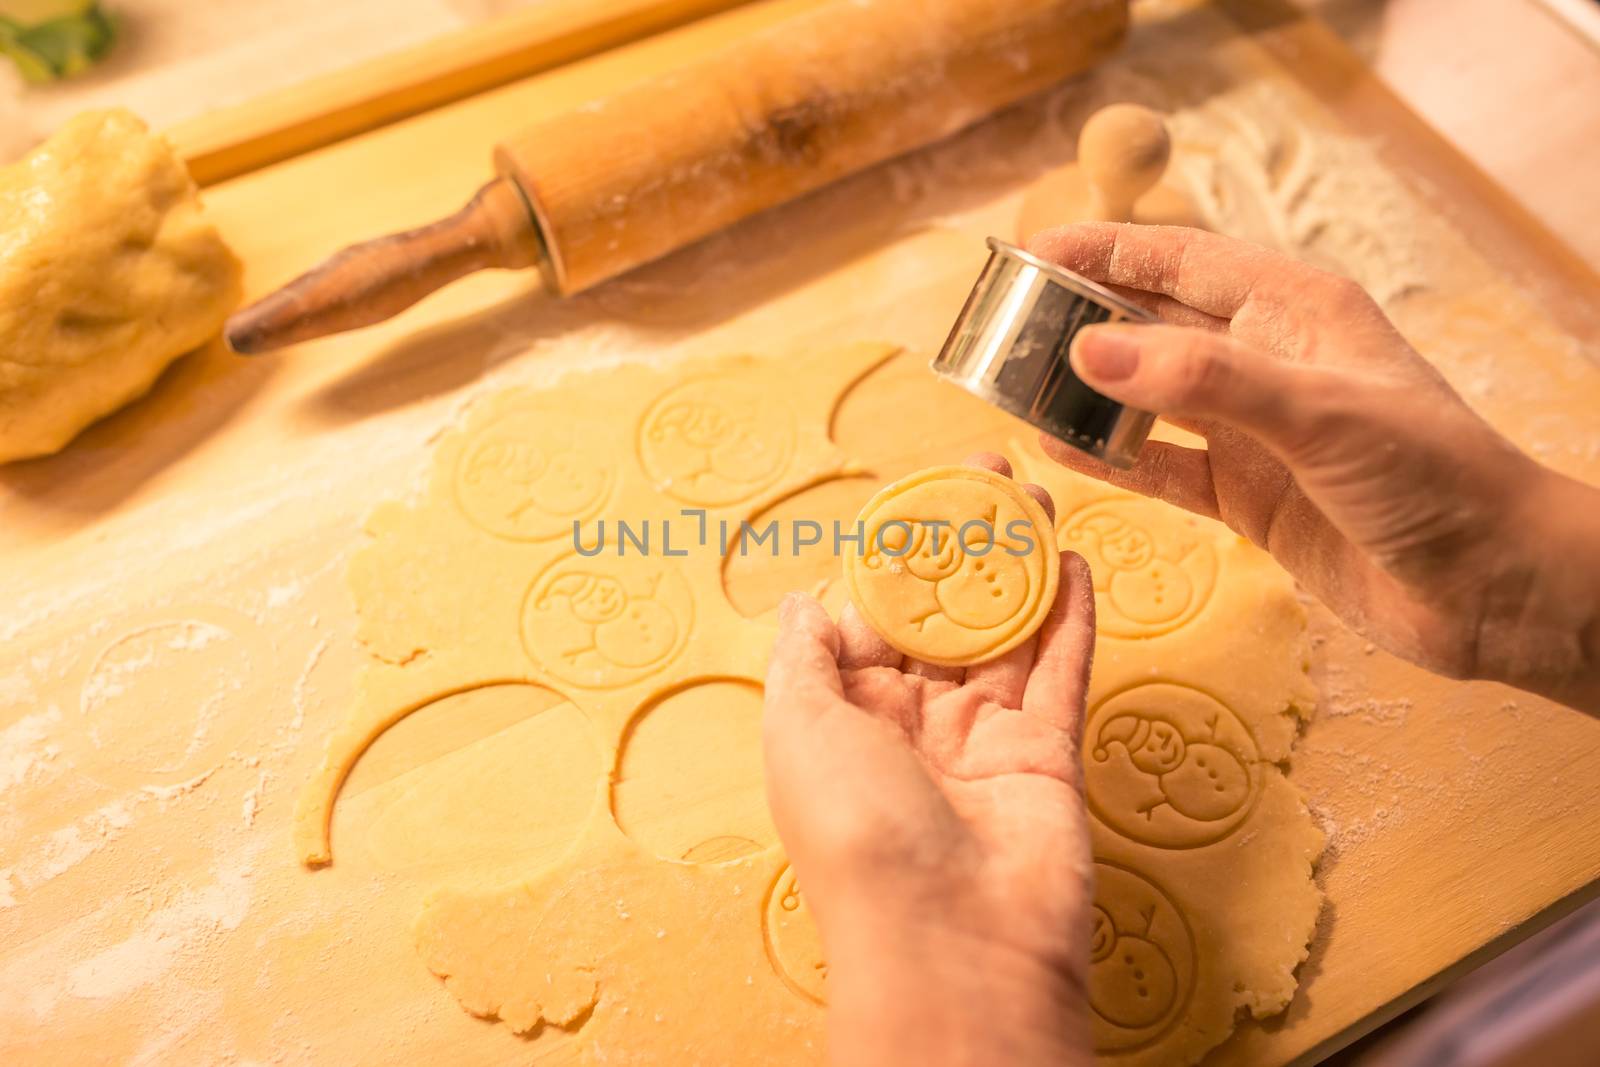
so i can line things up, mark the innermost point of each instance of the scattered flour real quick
(302, 683)
(166, 793)
(71, 845)
(194, 918)
(1323, 196)
(287, 593)
(22, 752)
(251, 806)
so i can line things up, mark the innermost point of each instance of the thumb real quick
(805, 657)
(1198, 374)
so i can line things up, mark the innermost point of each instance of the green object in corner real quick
(51, 39)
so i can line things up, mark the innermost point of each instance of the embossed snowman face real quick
(1143, 586)
(1169, 765)
(1211, 783)
(747, 456)
(515, 461)
(928, 552)
(594, 598)
(526, 475)
(1153, 593)
(954, 565)
(1155, 746)
(1102, 935)
(645, 632)
(697, 423)
(1135, 985)
(606, 622)
(712, 441)
(569, 485)
(1123, 545)
(985, 590)
(1152, 571)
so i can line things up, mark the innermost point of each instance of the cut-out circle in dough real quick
(793, 944)
(607, 621)
(756, 577)
(1170, 766)
(1142, 960)
(957, 565)
(689, 774)
(529, 475)
(1151, 574)
(189, 662)
(514, 797)
(716, 441)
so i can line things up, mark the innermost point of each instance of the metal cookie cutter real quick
(1009, 347)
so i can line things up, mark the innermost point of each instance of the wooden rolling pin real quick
(619, 182)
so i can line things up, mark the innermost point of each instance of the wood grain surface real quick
(178, 641)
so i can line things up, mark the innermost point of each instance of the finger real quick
(933, 672)
(1060, 678)
(992, 461)
(1207, 271)
(1196, 374)
(804, 664)
(1040, 494)
(860, 645)
(1179, 475)
(1004, 678)
(1170, 311)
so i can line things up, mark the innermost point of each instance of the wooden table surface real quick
(149, 902)
(1513, 84)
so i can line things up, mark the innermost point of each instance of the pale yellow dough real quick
(670, 928)
(957, 565)
(108, 272)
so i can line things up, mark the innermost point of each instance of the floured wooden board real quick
(179, 642)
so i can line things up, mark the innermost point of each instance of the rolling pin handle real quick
(375, 280)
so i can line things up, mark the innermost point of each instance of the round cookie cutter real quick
(1009, 347)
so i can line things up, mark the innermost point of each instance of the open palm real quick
(958, 790)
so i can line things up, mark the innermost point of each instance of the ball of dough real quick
(108, 272)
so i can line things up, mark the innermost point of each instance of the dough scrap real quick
(644, 960)
(956, 565)
(108, 273)
(640, 944)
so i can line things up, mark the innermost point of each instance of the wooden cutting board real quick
(178, 641)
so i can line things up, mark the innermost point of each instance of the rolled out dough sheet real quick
(673, 922)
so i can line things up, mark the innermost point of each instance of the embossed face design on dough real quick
(956, 567)
(1142, 960)
(793, 944)
(715, 442)
(1102, 936)
(1169, 766)
(528, 475)
(606, 621)
(1153, 570)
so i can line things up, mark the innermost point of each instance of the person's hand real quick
(1332, 444)
(934, 817)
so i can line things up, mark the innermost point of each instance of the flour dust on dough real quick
(956, 565)
(673, 921)
(108, 273)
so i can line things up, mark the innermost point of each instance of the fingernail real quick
(786, 606)
(1106, 355)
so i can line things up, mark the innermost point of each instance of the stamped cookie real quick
(956, 565)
